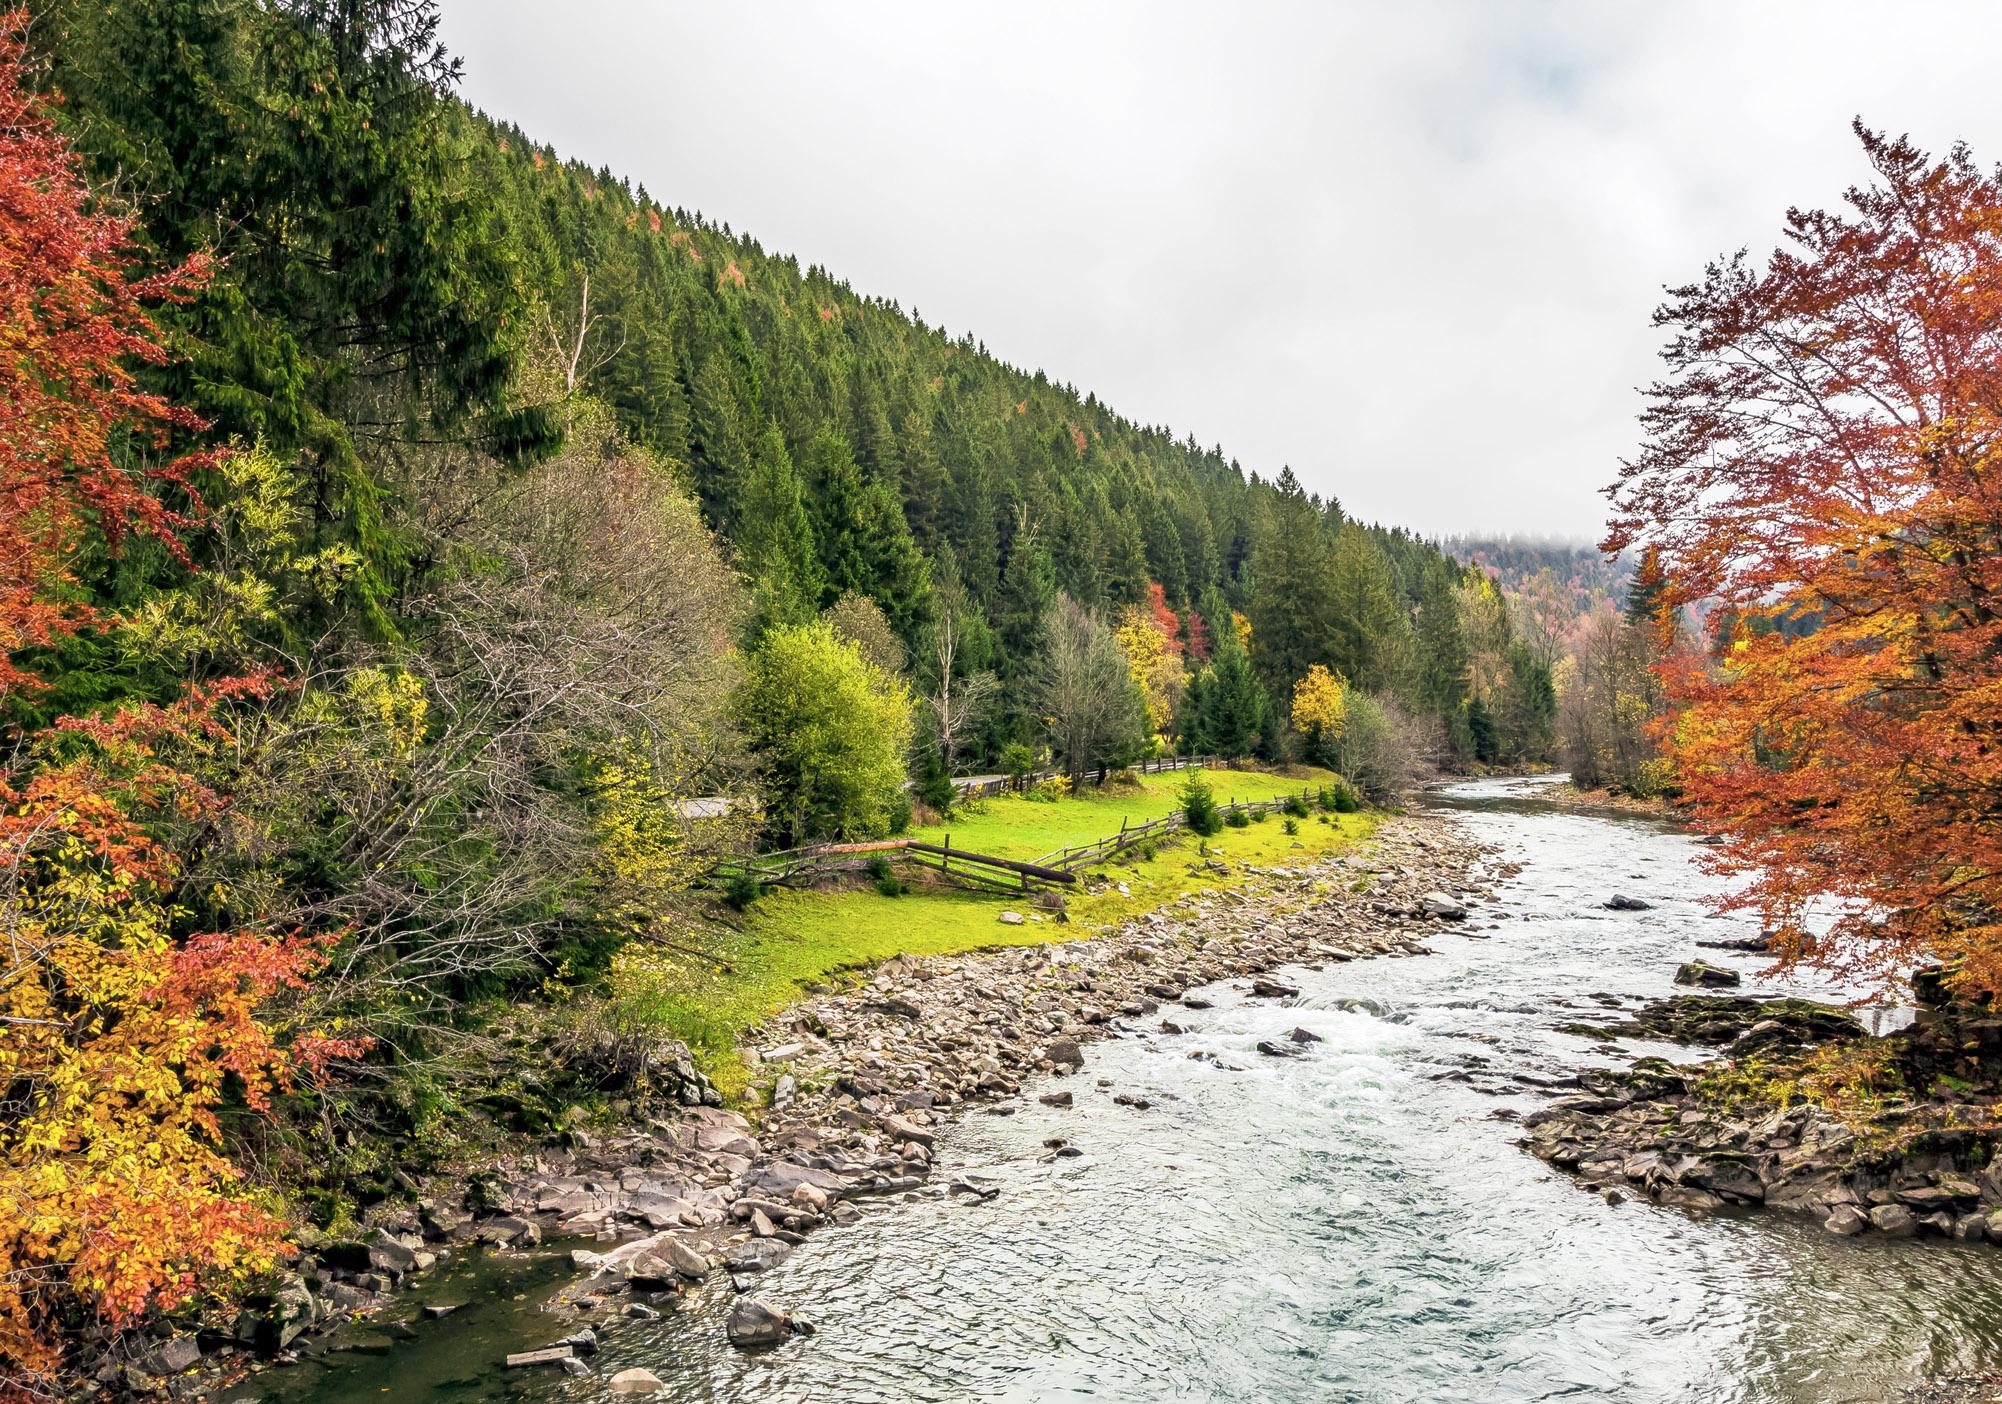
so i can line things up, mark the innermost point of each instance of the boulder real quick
(1620, 902)
(1011, 919)
(178, 1354)
(1056, 1099)
(1065, 1053)
(1846, 1220)
(1274, 989)
(1442, 907)
(635, 1382)
(1702, 972)
(1894, 1219)
(666, 1261)
(754, 1325)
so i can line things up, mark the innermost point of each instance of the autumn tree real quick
(1150, 636)
(1320, 711)
(84, 447)
(1819, 467)
(127, 1034)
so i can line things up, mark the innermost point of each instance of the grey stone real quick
(753, 1324)
(1894, 1219)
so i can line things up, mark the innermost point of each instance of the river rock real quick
(1011, 919)
(666, 1261)
(1894, 1219)
(1620, 902)
(1273, 989)
(1442, 907)
(1702, 972)
(1065, 1053)
(635, 1381)
(753, 1324)
(1846, 1220)
(1056, 1099)
(178, 1354)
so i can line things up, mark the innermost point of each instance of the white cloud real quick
(1409, 248)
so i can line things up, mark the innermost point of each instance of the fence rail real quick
(792, 867)
(1086, 855)
(1001, 784)
(797, 866)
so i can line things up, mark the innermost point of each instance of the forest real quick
(426, 557)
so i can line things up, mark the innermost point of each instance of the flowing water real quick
(1351, 1225)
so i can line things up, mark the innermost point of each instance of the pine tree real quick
(775, 538)
(1292, 604)
(865, 544)
(1372, 645)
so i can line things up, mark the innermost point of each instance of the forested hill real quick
(399, 272)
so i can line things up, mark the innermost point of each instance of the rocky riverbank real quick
(1803, 1113)
(859, 1083)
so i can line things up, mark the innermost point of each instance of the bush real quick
(1051, 790)
(742, 889)
(1199, 806)
(1258, 816)
(900, 812)
(1383, 751)
(1291, 826)
(1296, 806)
(885, 877)
(1017, 760)
(1237, 819)
(1340, 797)
(1147, 852)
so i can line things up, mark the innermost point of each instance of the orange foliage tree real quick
(122, 1037)
(1823, 467)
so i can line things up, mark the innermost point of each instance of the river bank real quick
(862, 1081)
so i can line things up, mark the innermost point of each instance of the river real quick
(1352, 1225)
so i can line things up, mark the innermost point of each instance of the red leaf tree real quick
(81, 442)
(1823, 465)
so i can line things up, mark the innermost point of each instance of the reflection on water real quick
(1352, 1225)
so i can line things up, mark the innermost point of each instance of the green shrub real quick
(1340, 797)
(885, 877)
(1237, 819)
(1291, 826)
(900, 812)
(1147, 852)
(1017, 760)
(1258, 816)
(1296, 806)
(1199, 806)
(742, 889)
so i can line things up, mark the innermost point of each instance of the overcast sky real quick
(1409, 248)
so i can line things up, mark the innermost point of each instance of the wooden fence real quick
(795, 867)
(1001, 784)
(1087, 855)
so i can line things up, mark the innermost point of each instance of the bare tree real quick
(954, 704)
(1082, 687)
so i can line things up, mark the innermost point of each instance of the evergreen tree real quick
(1372, 643)
(775, 538)
(1292, 604)
(865, 544)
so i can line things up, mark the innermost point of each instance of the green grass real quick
(792, 940)
(1010, 826)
